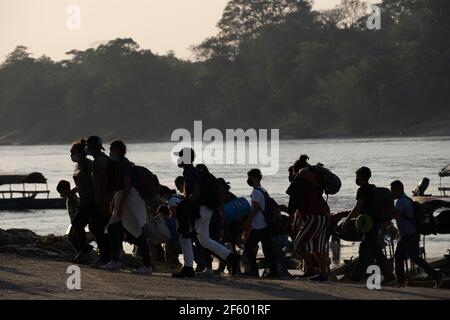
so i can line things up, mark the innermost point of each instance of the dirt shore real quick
(27, 278)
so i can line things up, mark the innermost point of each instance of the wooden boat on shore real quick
(28, 199)
(444, 196)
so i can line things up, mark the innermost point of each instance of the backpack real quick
(283, 226)
(272, 212)
(424, 219)
(211, 191)
(382, 208)
(330, 182)
(186, 216)
(145, 182)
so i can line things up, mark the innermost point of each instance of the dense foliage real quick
(273, 64)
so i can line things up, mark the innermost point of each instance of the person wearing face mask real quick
(102, 182)
(129, 213)
(257, 228)
(371, 244)
(85, 190)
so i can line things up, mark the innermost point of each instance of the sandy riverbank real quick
(29, 278)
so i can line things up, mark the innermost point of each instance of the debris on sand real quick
(26, 243)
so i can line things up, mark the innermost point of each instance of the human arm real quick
(354, 213)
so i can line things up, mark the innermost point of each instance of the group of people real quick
(312, 233)
(106, 198)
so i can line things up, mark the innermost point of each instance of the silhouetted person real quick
(408, 245)
(129, 212)
(371, 244)
(102, 181)
(76, 236)
(257, 228)
(313, 215)
(193, 191)
(82, 177)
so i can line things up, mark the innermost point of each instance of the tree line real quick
(273, 64)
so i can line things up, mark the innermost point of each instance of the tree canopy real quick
(273, 64)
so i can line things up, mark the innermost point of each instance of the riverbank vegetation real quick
(273, 64)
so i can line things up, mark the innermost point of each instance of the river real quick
(407, 159)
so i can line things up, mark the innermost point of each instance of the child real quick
(77, 235)
(172, 245)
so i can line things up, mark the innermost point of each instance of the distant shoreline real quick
(431, 134)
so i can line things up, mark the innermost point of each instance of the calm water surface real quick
(407, 159)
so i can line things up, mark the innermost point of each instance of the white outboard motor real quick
(422, 187)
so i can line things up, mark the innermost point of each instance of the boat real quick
(28, 198)
(444, 192)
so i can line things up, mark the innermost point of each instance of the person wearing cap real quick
(371, 244)
(408, 245)
(103, 191)
(192, 177)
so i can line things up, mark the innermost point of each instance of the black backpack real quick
(424, 219)
(211, 191)
(145, 182)
(272, 211)
(382, 206)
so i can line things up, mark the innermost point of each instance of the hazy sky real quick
(159, 25)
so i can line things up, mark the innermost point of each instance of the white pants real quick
(188, 253)
(202, 229)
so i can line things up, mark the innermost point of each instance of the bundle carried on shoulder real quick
(236, 209)
(156, 230)
(330, 182)
(146, 183)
